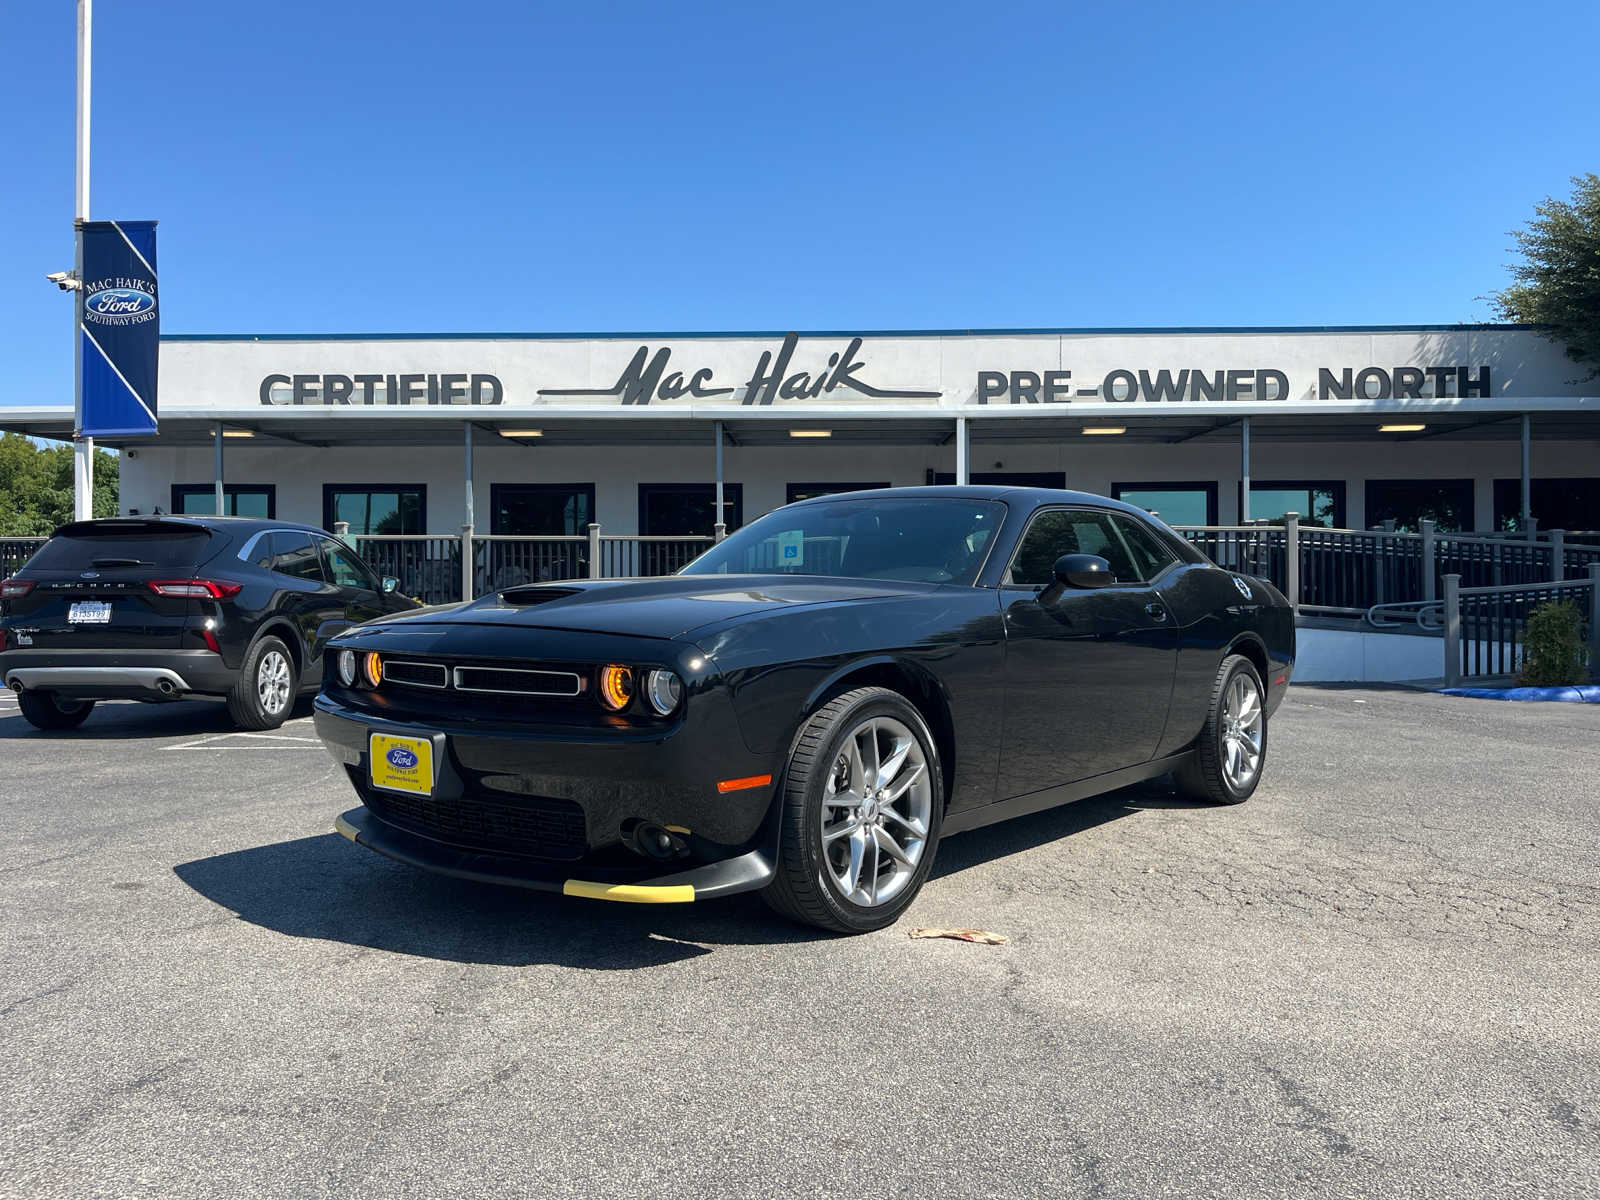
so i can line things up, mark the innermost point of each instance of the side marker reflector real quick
(630, 893)
(739, 785)
(1280, 679)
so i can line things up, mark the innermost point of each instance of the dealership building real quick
(541, 434)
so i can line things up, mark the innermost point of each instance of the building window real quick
(1039, 479)
(1187, 503)
(376, 507)
(1557, 503)
(1320, 503)
(540, 509)
(240, 499)
(685, 509)
(1409, 502)
(810, 491)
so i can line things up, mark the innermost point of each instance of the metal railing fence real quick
(16, 551)
(1346, 572)
(1484, 627)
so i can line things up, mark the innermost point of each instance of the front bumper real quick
(552, 808)
(745, 872)
(117, 674)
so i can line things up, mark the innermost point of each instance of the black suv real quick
(164, 608)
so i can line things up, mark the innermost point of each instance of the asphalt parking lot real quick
(1378, 978)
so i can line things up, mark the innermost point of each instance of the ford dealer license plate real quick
(401, 764)
(89, 612)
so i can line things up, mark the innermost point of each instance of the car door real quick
(1088, 672)
(305, 596)
(360, 591)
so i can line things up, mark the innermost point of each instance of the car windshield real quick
(926, 539)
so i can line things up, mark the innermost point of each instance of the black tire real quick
(251, 704)
(804, 889)
(43, 710)
(1206, 776)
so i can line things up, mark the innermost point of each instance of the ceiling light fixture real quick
(1104, 430)
(238, 433)
(810, 433)
(1401, 428)
(519, 433)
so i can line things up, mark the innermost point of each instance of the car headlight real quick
(347, 668)
(372, 668)
(664, 690)
(616, 687)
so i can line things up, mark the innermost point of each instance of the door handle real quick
(1157, 610)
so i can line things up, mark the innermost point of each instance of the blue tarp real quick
(1584, 693)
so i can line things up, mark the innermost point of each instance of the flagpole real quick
(83, 447)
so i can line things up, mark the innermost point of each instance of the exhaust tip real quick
(15, 687)
(166, 687)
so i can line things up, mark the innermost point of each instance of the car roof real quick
(1029, 497)
(231, 525)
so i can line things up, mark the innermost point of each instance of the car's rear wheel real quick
(862, 806)
(46, 710)
(1232, 748)
(264, 693)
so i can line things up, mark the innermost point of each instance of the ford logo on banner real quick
(401, 758)
(119, 329)
(117, 302)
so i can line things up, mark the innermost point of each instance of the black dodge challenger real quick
(809, 706)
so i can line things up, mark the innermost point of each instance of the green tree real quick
(1557, 284)
(36, 486)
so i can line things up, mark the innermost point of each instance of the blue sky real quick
(355, 166)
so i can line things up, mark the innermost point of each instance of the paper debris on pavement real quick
(964, 935)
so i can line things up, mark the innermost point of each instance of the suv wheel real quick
(263, 695)
(45, 710)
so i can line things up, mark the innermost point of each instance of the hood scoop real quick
(530, 594)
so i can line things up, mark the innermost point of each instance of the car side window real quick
(344, 568)
(1059, 531)
(294, 555)
(1150, 556)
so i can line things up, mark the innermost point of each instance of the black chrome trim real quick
(444, 673)
(577, 682)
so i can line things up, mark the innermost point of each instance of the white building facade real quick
(1472, 426)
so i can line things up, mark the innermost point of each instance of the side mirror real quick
(1084, 571)
(389, 584)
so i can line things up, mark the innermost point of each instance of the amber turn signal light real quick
(372, 668)
(616, 687)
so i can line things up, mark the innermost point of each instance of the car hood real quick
(667, 607)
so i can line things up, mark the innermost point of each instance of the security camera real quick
(67, 281)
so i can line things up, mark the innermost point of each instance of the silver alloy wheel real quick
(876, 808)
(1243, 724)
(272, 682)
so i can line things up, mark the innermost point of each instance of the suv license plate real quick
(89, 612)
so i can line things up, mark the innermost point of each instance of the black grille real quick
(518, 682)
(535, 827)
(418, 674)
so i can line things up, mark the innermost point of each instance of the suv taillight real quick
(200, 589)
(10, 589)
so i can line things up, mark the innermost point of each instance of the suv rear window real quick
(169, 549)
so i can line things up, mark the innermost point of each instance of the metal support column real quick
(1244, 471)
(1452, 630)
(83, 447)
(467, 447)
(1430, 560)
(216, 469)
(719, 527)
(1527, 462)
(961, 450)
(1291, 561)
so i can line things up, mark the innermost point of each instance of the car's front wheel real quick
(1232, 747)
(265, 690)
(46, 710)
(862, 806)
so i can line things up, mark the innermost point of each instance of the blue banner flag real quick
(119, 329)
